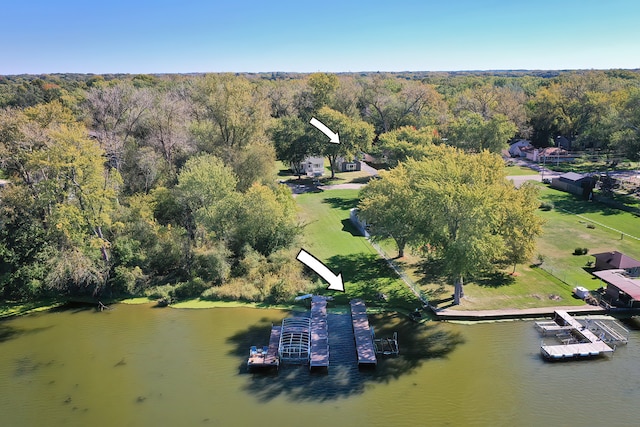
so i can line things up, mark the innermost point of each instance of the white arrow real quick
(335, 282)
(333, 137)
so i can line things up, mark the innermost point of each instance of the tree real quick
(294, 142)
(263, 219)
(166, 126)
(115, 112)
(230, 114)
(389, 103)
(473, 133)
(355, 136)
(628, 137)
(388, 205)
(406, 142)
(521, 225)
(463, 205)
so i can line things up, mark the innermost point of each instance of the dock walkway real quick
(274, 342)
(362, 333)
(319, 354)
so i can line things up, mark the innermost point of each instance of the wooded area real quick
(166, 185)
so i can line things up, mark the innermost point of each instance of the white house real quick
(312, 166)
(517, 148)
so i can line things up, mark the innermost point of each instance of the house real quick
(617, 261)
(4, 183)
(575, 183)
(621, 290)
(520, 148)
(311, 166)
(548, 155)
(348, 166)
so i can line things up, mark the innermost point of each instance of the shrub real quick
(166, 292)
(546, 206)
(193, 288)
(580, 251)
(591, 226)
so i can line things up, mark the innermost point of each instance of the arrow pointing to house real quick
(333, 136)
(335, 282)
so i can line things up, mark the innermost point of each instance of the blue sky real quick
(305, 36)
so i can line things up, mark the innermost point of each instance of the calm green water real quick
(139, 366)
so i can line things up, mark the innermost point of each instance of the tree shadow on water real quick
(8, 332)
(418, 344)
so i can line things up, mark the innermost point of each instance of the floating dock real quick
(578, 340)
(266, 357)
(362, 333)
(319, 352)
(386, 346)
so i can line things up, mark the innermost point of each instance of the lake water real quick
(139, 366)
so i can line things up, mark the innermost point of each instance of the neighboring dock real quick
(590, 339)
(362, 333)
(319, 356)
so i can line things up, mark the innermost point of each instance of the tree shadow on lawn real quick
(342, 203)
(419, 344)
(577, 205)
(368, 276)
(493, 279)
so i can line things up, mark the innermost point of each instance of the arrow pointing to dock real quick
(335, 282)
(333, 136)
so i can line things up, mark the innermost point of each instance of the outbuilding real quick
(575, 183)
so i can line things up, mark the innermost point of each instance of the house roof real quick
(571, 176)
(617, 259)
(616, 278)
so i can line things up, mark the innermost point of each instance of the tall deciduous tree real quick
(406, 142)
(388, 205)
(521, 224)
(355, 136)
(457, 204)
(473, 133)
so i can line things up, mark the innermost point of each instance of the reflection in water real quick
(135, 365)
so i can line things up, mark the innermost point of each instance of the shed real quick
(348, 166)
(574, 183)
(617, 260)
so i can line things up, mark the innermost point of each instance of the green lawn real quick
(330, 237)
(552, 283)
(519, 171)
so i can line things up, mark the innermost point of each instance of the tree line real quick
(167, 184)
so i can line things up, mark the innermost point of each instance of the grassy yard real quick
(552, 283)
(519, 171)
(330, 237)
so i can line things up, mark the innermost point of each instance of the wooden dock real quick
(266, 357)
(319, 354)
(578, 342)
(362, 333)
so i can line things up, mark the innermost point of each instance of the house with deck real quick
(615, 260)
(621, 290)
